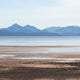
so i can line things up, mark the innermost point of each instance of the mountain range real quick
(28, 30)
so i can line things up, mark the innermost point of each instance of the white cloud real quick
(71, 3)
(67, 13)
(43, 14)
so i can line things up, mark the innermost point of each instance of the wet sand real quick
(37, 69)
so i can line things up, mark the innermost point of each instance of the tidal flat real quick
(39, 63)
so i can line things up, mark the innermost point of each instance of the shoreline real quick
(34, 46)
(19, 69)
(38, 52)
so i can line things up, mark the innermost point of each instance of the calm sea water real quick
(40, 40)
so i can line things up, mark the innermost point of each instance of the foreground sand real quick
(11, 69)
(38, 70)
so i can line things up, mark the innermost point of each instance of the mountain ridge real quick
(29, 30)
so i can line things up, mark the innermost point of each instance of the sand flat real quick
(37, 69)
(38, 51)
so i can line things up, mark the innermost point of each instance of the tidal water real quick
(40, 40)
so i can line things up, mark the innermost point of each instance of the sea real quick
(39, 40)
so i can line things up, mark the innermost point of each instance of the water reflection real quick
(3, 56)
(64, 50)
(40, 40)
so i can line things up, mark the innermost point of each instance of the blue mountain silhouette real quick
(28, 30)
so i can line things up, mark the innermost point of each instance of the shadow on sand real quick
(30, 73)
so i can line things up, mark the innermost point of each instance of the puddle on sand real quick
(58, 50)
(64, 50)
(37, 58)
(3, 56)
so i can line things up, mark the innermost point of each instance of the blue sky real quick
(39, 13)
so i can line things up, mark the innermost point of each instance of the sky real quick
(40, 13)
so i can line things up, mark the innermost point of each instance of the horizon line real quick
(40, 28)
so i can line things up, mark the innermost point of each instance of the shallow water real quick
(57, 50)
(40, 40)
(38, 58)
(64, 50)
(14, 57)
(3, 56)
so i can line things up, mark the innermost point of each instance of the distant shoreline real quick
(35, 46)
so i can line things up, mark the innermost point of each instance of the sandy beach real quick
(16, 65)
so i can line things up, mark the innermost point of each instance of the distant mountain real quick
(69, 30)
(64, 31)
(4, 32)
(18, 28)
(52, 29)
(27, 34)
(44, 34)
(14, 28)
(28, 30)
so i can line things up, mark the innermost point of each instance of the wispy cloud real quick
(40, 13)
